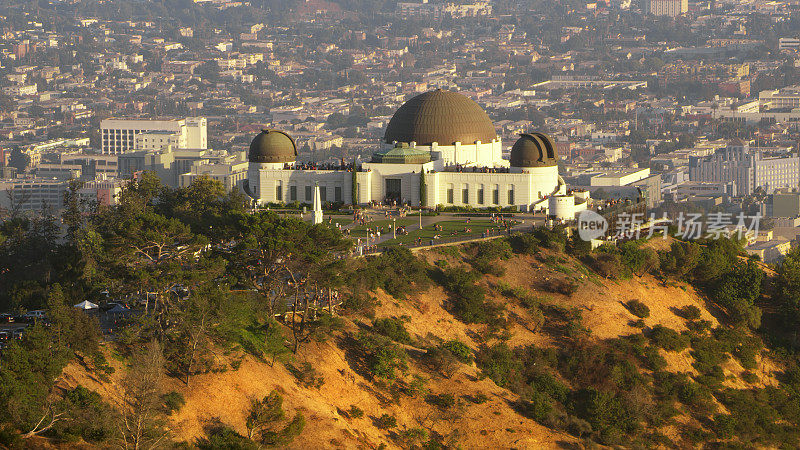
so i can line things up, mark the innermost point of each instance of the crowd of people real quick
(477, 169)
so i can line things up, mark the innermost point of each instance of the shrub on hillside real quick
(222, 436)
(487, 253)
(741, 344)
(173, 401)
(355, 412)
(669, 339)
(395, 271)
(708, 353)
(607, 264)
(638, 260)
(554, 238)
(442, 361)
(524, 243)
(392, 328)
(460, 350)
(386, 422)
(499, 364)
(537, 406)
(441, 401)
(690, 312)
(468, 299)
(638, 309)
(382, 356)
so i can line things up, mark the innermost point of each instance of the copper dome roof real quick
(440, 116)
(272, 146)
(534, 150)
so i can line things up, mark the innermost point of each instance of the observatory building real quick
(439, 148)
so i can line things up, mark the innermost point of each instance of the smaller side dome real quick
(534, 150)
(272, 146)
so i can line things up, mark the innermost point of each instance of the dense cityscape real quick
(442, 194)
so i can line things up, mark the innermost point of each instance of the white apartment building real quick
(670, 8)
(788, 97)
(156, 140)
(119, 135)
(20, 90)
(788, 44)
(746, 169)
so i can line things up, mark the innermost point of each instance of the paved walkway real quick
(529, 220)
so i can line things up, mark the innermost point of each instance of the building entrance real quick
(393, 191)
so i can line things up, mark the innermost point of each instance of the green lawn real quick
(450, 229)
(361, 230)
(343, 221)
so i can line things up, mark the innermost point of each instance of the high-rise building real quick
(119, 135)
(670, 8)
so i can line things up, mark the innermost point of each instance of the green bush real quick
(749, 377)
(668, 339)
(221, 436)
(740, 344)
(441, 401)
(690, 312)
(680, 387)
(442, 360)
(173, 401)
(479, 399)
(653, 359)
(306, 375)
(87, 417)
(355, 412)
(460, 350)
(724, 426)
(708, 353)
(469, 300)
(499, 364)
(285, 435)
(607, 262)
(537, 406)
(360, 302)
(638, 309)
(554, 238)
(386, 422)
(637, 259)
(382, 356)
(487, 253)
(397, 271)
(607, 412)
(392, 328)
(524, 243)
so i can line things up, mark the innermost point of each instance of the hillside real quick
(539, 312)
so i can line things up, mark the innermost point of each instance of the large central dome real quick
(440, 116)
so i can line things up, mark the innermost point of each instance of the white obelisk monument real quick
(317, 205)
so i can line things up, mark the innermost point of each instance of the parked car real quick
(6, 318)
(38, 314)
